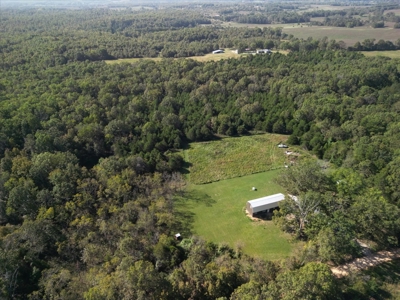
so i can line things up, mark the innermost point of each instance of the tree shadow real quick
(183, 223)
(184, 217)
(186, 167)
(198, 197)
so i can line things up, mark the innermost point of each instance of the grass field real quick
(216, 213)
(234, 157)
(348, 35)
(314, 7)
(391, 54)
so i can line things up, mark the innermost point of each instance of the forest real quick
(90, 161)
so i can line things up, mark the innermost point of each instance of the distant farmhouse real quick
(218, 51)
(264, 51)
(264, 204)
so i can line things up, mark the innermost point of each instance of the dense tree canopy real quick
(89, 154)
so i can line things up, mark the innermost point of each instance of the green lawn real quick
(215, 212)
(234, 157)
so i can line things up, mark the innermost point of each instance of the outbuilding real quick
(264, 51)
(264, 204)
(218, 51)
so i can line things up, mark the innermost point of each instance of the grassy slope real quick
(218, 215)
(233, 157)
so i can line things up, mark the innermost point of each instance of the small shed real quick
(263, 204)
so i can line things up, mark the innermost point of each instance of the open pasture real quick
(348, 35)
(217, 212)
(395, 11)
(391, 54)
(315, 7)
(234, 157)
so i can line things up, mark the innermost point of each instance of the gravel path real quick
(366, 262)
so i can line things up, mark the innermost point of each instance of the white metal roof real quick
(266, 200)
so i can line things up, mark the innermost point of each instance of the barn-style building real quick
(264, 204)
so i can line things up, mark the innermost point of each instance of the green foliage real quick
(313, 281)
(88, 153)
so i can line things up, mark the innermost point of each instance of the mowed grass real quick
(391, 54)
(234, 157)
(208, 57)
(217, 215)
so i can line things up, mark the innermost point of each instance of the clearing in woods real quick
(234, 157)
(216, 212)
(228, 53)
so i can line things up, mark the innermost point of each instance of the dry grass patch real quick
(234, 157)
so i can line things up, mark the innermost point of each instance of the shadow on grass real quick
(185, 167)
(183, 216)
(183, 222)
(198, 197)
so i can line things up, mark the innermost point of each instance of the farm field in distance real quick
(391, 54)
(348, 35)
(234, 157)
(218, 215)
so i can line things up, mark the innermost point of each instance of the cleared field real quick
(391, 54)
(314, 7)
(208, 57)
(131, 60)
(395, 11)
(217, 214)
(348, 35)
(234, 157)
